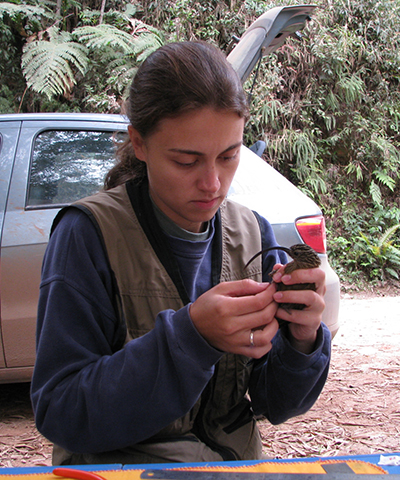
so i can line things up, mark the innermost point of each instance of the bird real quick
(303, 257)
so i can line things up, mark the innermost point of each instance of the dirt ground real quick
(357, 413)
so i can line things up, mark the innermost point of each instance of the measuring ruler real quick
(334, 471)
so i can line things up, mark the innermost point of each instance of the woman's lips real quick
(206, 204)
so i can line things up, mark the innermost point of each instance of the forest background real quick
(328, 104)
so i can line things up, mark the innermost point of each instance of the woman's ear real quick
(138, 143)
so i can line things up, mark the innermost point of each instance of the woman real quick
(151, 331)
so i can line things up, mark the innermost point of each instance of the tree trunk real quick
(103, 6)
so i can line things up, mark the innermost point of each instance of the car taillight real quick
(312, 231)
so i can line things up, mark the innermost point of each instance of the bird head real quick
(303, 255)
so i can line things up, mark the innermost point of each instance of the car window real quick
(68, 165)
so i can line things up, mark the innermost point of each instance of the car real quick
(49, 160)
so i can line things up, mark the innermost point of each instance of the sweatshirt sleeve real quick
(286, 383)
(88, 394)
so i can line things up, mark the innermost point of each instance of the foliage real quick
(366, 250)
(46, 65)
(328, 105)
(329, 108)
(69, 59)
(380, 256)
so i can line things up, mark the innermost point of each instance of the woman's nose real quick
(209, 180)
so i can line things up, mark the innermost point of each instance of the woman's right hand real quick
(231, 314)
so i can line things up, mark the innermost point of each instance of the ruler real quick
(334, 471)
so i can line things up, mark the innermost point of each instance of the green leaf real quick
(353, 88)
(14, 10)
(385, 179)
(388, 234)
(375, 193)
(392, 272)
(105, 36)
(48, 66)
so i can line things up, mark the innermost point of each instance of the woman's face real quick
(191, 161)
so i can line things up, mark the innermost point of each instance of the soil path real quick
(357, 413)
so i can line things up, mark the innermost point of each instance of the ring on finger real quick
(252, 338)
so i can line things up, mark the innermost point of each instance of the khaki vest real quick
(222, 418)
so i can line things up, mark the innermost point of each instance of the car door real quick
(56, 162)
(9, 133)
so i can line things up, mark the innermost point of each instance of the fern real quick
(147, 43)
(105, 36)
(16, 10)
(386, 147)
(384, 178)
(380, 253)
(48, 65)
(387, 235)
(375, 193)
(122, 71)
(355, 167)
(120, 51)
(24, 19)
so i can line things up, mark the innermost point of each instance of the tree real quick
(102, 8)
(330, 108)
(328, 105)
(56, 59)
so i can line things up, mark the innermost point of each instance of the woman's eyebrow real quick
(186, 152)
(195, 152)
(236, 145)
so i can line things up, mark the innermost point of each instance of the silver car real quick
(50, 160)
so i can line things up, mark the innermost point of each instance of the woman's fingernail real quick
(277, 277)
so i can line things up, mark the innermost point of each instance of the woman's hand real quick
(233, 315)
(303, 324)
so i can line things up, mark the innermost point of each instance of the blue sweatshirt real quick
(91, 395)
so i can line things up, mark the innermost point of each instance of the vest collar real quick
(142, 205)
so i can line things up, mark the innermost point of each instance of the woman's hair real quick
(175, 79)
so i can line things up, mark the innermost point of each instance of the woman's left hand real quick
(303, 324)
